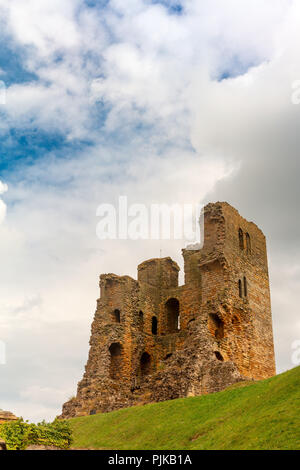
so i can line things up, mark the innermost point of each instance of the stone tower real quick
(153, 340)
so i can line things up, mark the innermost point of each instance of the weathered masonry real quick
(153, 340)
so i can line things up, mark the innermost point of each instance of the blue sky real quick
(161, 101)
(20, 64)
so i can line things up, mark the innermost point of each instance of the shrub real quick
(19, 434)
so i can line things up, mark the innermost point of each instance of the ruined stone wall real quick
(7, 416)
(153, 340)
(248, 337)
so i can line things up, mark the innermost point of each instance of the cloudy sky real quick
(162, 101)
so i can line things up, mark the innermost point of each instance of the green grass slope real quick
(263, 415)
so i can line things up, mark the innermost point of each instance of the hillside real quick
(263, 415)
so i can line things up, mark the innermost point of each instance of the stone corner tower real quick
(154, 340)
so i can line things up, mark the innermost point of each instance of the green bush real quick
(20, 434)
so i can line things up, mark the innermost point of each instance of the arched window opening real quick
(216, 325)
(245, 287)
(241, 239)
(219, 356)
(145, 364)
(117, 316)
(173, 317)
(141, 320)
(115, 350)
(154, 325)
(248, 243)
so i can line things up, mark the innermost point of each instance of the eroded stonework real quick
(7, 416)
(153, 340)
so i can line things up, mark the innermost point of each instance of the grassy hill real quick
(263, 415)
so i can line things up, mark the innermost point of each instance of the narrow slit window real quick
(117, 316)
(154, 325)
(241, 239)
(245, 287)
(240, 289)
(248, 243)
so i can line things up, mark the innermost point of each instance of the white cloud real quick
(3, 207)
(145, 72)
(45, 25)
(3, 188)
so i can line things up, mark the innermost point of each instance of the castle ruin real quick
(153, 340)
